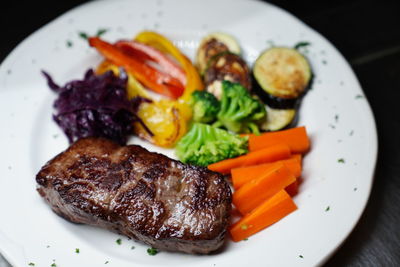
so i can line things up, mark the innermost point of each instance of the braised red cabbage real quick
(95, 106)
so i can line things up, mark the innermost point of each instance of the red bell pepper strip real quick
(146, 52)
(150, 77)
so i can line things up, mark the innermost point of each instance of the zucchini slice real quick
(278, 119)
(283, 74)
(213, 44)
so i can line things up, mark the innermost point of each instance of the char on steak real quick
(143, 195)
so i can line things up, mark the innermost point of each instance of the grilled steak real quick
(143, 195)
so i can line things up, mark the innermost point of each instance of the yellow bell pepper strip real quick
(164, 120)
(149, 76)
(163, 44)
(134, 88)
(149, 53)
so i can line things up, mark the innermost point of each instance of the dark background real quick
(368, 34)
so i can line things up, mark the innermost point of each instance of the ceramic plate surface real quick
(338, 172)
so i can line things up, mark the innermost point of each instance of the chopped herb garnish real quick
(324, 62)
(133, 247)
(152, 251)
(83, 35)
(301, 256)
(118, 241)
(244, 227)
(100, 32)
(327, 208)
(336, 118)
(332, 126)
(106, 262)
(31, 264)
(301, 44)
(359, 96)
(53, 264)
(351, 132)
(355, 189)
(69, 43)
(47, 246)
(245, 239)
(77, 250)
(340, 160)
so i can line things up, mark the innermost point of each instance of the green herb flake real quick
(69, 43)
(77, 251)
(47, 246)
(324, 62)
(100, 32)
(301, 256)
(31, 264)
(133, 247)
(118, 241)
(301, 44)
(341, 160)
(245, 239)
(53, 264)
(336, 118)
(83, 35)
(351, 133)
(359, 96)
(106, 262)
(327, 208)
(355, 189)
(152, 251)
(244, 227)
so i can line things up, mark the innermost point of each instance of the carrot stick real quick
(269, 212)
(270, 154)
(293, 188)
(270, 182)
(295, 138)
(242, 175)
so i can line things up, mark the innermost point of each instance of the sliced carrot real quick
(293, 188)
(270, 154)
(242, 175)
(269, 212)
(270, 182)
(295, 138)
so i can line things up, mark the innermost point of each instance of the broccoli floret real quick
(239, 112)
(205, 144)
(205, 106)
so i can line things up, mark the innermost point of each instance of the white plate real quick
(339, 120)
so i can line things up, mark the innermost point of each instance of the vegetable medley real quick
(217, 113)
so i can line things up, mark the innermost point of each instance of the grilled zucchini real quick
(283, 76)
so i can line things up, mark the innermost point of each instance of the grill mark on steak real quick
(143, 195)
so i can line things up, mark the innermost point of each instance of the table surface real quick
(367, 33)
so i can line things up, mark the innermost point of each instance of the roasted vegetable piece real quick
(134, 88)
(283, 75)
(226, 66)
(149, 76)
(193, 80)
(278, 119)
(239, 113)
(148, 53)
(165, 121)
(213, 44)
(204, 144)
(205, 107)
